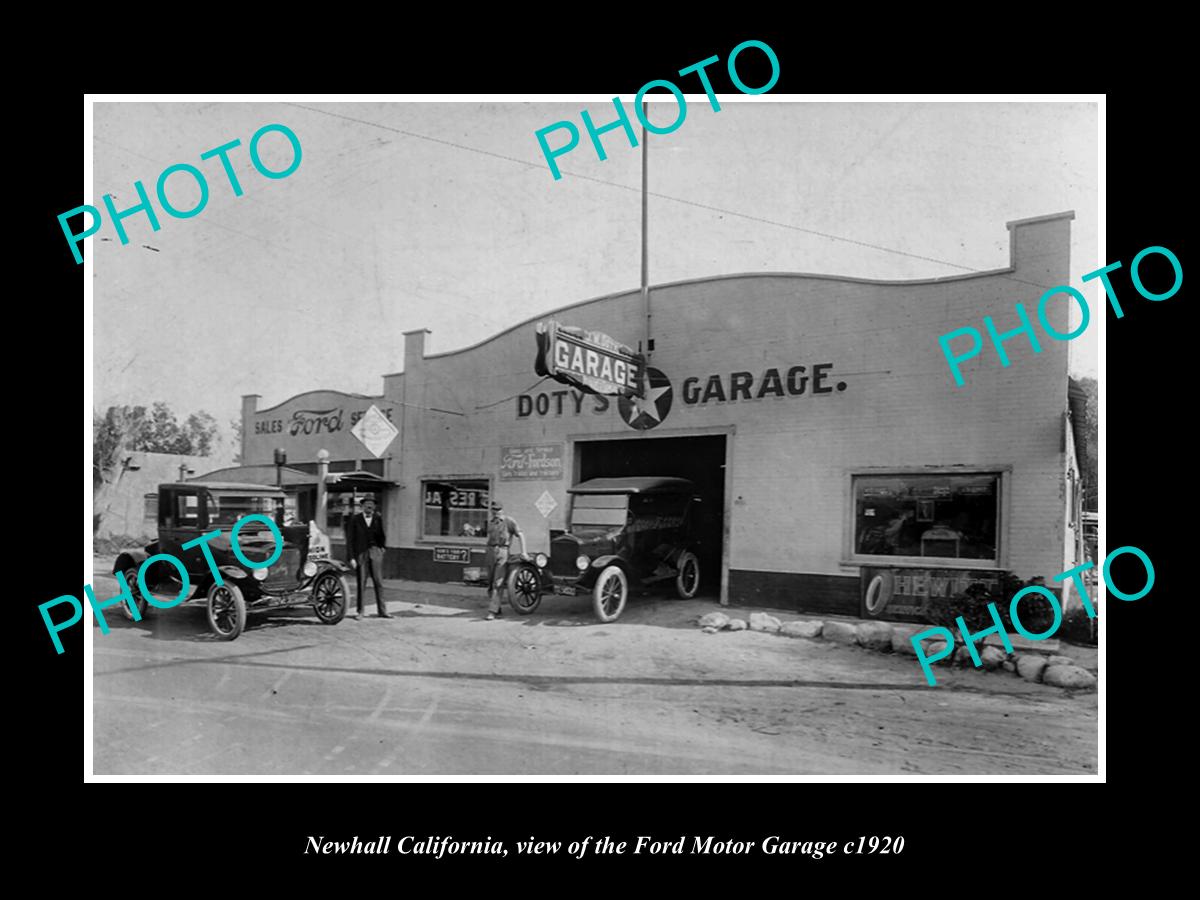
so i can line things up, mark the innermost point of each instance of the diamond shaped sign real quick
(545, 504)
(374, 430)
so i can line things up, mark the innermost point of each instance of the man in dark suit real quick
(365, 542)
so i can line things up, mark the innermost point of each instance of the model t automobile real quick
(303, 573)
(621, 533)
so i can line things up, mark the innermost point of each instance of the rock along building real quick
(840, 469)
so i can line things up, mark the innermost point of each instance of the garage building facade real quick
(816, 414)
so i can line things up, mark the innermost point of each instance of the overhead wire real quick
(638, 190)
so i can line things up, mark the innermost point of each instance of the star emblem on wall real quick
(646, 412)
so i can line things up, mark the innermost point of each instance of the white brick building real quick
(816, 413)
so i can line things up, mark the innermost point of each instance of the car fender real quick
(678, 550)
(234, 573)
(128, 558)
(335, 564)
(600, 563)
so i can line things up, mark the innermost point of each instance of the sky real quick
(445, 216)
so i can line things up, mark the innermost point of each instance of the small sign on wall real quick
(545, 504)
(535, 462)
(452, 554)
(904, 594)
(374, 431)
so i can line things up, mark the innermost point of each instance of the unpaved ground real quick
(438, 690)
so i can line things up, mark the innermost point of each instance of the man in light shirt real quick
(501, 530)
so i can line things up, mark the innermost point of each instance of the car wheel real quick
(142, 604)
(330, 593)
(524, 590)
(226, 611)
(609, 594)
(687, 582)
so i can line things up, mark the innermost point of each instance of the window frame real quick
(201, 496)
(479, 540)
(851, 556)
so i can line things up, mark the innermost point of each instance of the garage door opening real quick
(700, 459)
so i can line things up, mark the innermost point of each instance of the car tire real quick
(610, 593)
(687, 582)
(331, 596)
(226, 610)
(131, 579)
(524, 589)
(878, 593)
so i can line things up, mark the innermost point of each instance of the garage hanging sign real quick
(589, 360)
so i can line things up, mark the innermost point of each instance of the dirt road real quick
(437, 690)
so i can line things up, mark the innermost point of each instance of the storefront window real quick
(943, 516)
(456, 508)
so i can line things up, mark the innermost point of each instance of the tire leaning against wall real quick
(878, 594)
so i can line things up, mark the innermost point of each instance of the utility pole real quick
(645, 237)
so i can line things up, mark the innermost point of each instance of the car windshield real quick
(599, 511)
(226, 509)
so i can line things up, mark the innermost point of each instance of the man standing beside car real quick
(500, 532)
(365, 542)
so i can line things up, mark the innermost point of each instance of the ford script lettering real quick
(315, 421)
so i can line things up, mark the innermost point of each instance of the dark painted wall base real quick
(801, 592)
(416, 564)
(798, 591)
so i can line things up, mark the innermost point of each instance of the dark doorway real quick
(700, 459)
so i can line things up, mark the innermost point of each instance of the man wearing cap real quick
(501, 529)
(365, 541)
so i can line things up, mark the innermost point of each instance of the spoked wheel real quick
(608, 596)
(330, 593)
(687, 582)
(226, 611)
(131, 579)
(524, 590)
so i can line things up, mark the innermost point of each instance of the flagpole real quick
(645, 238)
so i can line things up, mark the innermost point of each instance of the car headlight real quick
(582, 563)
(310, 569)
(260, 574)
(541, 560)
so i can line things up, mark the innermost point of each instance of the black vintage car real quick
(302, 574)
(621, 533)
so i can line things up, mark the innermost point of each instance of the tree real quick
(200, 430)
(123, 430)
(163, 434)
(236, 426)
(113, 437)
(1089, 430)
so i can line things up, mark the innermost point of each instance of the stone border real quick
(884, 637)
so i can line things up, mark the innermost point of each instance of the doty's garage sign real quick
(654, 403)
(589, 360)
